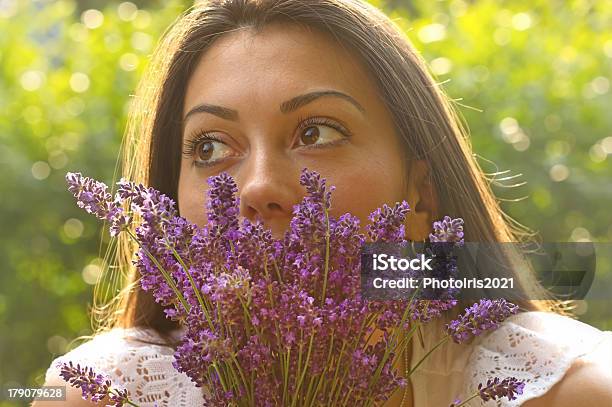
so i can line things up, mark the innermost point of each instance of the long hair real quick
(429, 127)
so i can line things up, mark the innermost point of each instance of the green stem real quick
(397, 342)
(193, 284)
(327, 236)
(406, 338)
(463, 403)
(401, 342)
(336, 370)
(322, 375)
(346, 369)
(243, 379)
(127, 400)
(348, 394)
(308, 394)
(297, 390)
(167, 277)
(299, 361)
(278, 274)
(287, 357)
(427, 354)
(218, 370)
(379, 368)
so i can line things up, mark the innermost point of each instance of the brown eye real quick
(310, 135)
(321, 132)
(204, 150)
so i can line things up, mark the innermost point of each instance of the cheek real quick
(370, 177)
(191, 197)
(363, 192)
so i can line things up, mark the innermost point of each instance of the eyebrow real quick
(285, 107)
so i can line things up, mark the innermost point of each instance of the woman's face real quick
(263, 106)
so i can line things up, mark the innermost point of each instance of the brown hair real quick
(425, 120)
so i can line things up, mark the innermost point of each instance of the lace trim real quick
(145, 370)
(537, 347)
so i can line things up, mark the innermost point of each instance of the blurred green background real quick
(532, 79)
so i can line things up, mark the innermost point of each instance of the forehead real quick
(274, 64)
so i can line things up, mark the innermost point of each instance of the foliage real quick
(64, 94)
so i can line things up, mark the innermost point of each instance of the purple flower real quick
(200, 347)
(156, 208)
(388, 223)
(94, 386)
(315, 188)
(483, 316)
(308, 227)
(269, 320)
(496, 388)
(447, 230)
(93, 196)
(426, 310)
(223, 206)
(119, 397)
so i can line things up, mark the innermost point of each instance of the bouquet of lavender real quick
(273, 322)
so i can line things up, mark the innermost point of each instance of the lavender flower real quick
(200, 346)
(156, 208)
(94, 386)
(308, 226)
(223, 206)
(483, 316)
(93, 196)
(495, 389)
(119, 397)
(316, 189)
(426, 310)
(388, 223)
(447, 230)
(275, 321)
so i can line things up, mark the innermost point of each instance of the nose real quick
(268, 189)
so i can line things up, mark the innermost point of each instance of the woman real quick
(263, 88)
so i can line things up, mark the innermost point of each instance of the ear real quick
(423, 201)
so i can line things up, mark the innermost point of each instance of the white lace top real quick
(537, 347)
(143, 369)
